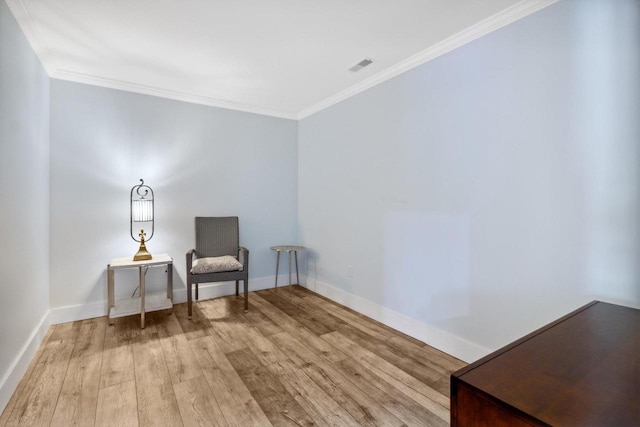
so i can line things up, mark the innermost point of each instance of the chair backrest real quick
(217, 236)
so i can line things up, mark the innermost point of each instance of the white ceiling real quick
(285, 58)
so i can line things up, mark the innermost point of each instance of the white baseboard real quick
(78, 312)
(20, 364)
(458, 347)
(206, 291)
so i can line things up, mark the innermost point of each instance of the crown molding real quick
(25, 22)
(166, 93)
(513, 13)
(517, 11)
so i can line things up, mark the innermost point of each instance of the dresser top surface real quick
(583, 369)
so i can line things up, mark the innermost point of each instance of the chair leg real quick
(237, 286)
(246, 295)
(197, 296)
(189, 285)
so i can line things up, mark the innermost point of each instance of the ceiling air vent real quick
(360, 65)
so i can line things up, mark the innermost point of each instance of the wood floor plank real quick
(307, 319)
(262, 347)
(443, 386)
(36, 405)
(90, 338)
(311, 310)
(222, 327)
(198, 405)
(270, 366)
(407, 410)
(117, 406)
(157, 404)
(245, 330)
(128, 328)
(362, 408)
(262, 323)
(117, 359)
(416, 390)
(408, 345)
(315, 401)
(253, 317)
(269, 354)
(235, 400)
(418, 367)
(22, 385)
(192, 328)
(432, 357)
(79, 395)
(401, 353)
(287, 323)
(356, 318)
(278, 405)
(179, 357)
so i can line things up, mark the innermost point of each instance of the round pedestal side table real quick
(288, 249)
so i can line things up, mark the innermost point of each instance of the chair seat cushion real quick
(216, 264)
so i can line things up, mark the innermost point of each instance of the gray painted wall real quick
(200, 161)
(24, 199)
(493, 189)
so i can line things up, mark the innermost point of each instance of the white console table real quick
(144, 303)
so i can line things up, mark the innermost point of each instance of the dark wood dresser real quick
(581, 370)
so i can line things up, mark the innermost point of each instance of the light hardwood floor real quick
(293, 359)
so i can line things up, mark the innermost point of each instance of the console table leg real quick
(170, 285)
(110, 296)
(289, 272)
(277, 266)
(141, 269)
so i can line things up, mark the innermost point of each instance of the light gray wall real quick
(24, 198)
(200, 161)
(493, 189)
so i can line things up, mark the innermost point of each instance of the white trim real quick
(166, 93)
(206, 291)
(21, 14)
(21, 363)
(517, 11)
(451, 344)
(72, 313)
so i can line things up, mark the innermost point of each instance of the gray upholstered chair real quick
(217, 237)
